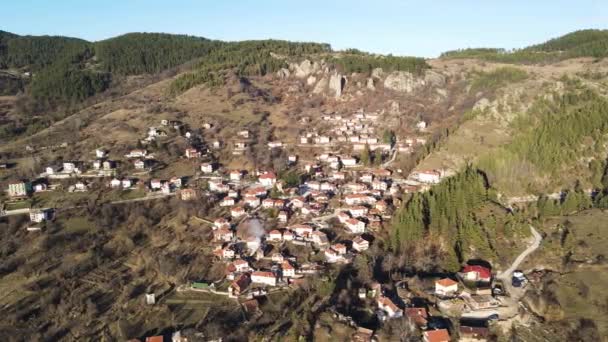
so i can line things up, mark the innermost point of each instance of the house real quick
(39, 187)
(268, 179)
(418, 316)
(275, 235)
(176, 182)
(379, 185)
(227, 202)
(298, 202)
(18, 189)
(251, 201)
(241, 265)
(283, 216)
(322, 140)
(207, 167)
(156, 184)
(223, 234)
(139, 164)
(240, 284)
(237, 211)
(332, 256)
(476, 273)
(348, 161)
(288, 235)
(302, 230)
(353, 199)
(389, 308)
(69, 167)
(343, 217)
(303, 140)
(137, 153)
(358, 211)
(227, 253)
(261, 277)
(421, 125)
(235, 175)
(268, 203)
(159, 338)
(288, 270)
(221, 223)
(428, 176)
(446, 287)
(243, 134)
(187, 194)
(115, 183)
(319, 238)
(274, 144)
(366, 178)
(292, 159)
(355, 226)
(473, 334)
(439, 335)
(360, 244)
(339, 248)
(126, 183)
(39, 215)
(233, 194)
(216, 144)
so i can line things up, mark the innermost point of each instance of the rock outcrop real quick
(337, 83)
(321, 86)
(311, 80)
(283, 73)
(377, 73)
(370, 84)
(403, 81)
(305, 68)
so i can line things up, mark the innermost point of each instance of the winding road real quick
(505, 275)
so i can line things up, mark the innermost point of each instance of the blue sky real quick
(420, 28)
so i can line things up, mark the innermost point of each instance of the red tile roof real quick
(440, 335)
(483, 272)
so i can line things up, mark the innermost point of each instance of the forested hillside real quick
(447, 218)
(584, 43)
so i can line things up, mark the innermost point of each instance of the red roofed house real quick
(477, 273)
(440, 335)
(223, 234)
(192, 153)
(446, 287)
(237, 211)
(288, 270)
(339, 248)
(275, 235)
(240, 284)
(355, 226)
(268, 179)
(360, 244)
(417, 315)
(387, 305)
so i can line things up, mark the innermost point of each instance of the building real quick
(360, 244)
(440, 335)
(476, 273)
(275, 235)
(139, 164)
(240, 284)
(207, 167)
(227, 202)
(266, 278)
(18, 189)
(237, 212)
(355, 226)
(339, 248)
(319, 238)
(430, 176)
(446, 287)
(187, 194)
(235, 175)
(268, 179)
(221, 223)
(223, 234)
(288, 270)
(389, 308)
(192, 153)
(241, 265)
(418, 316)
(358, 211)
(39, 215)
(473, 334)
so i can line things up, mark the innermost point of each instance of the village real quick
(276, 228)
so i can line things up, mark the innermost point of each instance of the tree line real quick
(582, 43)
